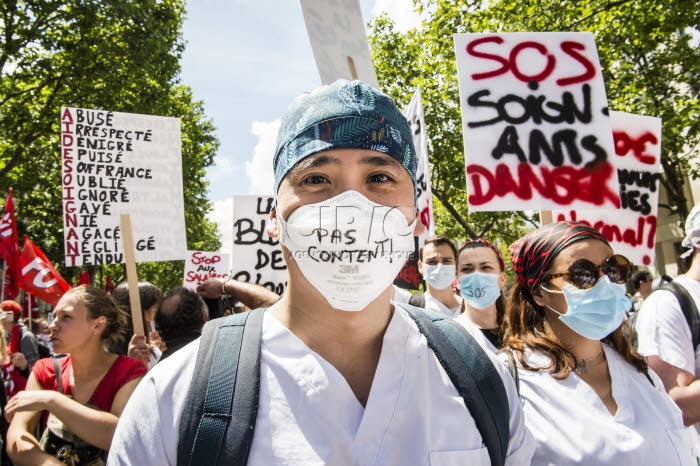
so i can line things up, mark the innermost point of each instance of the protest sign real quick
(338, 40)
(535, 118)
(409, 277)
(257, 258)
(424, 197)
(201, 266)
(631, 230)
(121, 163)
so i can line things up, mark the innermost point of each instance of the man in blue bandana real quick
(345, 376)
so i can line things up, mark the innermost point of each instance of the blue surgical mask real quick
(595, 312)
(479, 289)
(439, 276)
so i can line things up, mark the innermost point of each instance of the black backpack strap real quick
(225, 386)
(417, 300)
(480, 385)
(690, 311)
(513, 369)
(57, 373)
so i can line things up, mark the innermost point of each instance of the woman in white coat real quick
(588, 397)
(481, 275)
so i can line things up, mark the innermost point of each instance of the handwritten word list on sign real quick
(535, 118)
(257, 257)
(117, 163)
(631, 230)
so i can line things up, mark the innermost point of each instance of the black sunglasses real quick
(584, 273)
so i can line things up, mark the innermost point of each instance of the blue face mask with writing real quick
(439, 276)
(479, 289)
(595, 312)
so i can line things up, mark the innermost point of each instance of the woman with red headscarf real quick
(588, 397)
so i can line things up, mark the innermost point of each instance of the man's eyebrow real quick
(315, 162)
(380, 161)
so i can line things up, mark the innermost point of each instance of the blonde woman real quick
(89, 394)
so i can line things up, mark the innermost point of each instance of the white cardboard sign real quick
(424, 201)
(631, 231)
(534, 115)
(121, 163)
(201, 266)
(257, 258)
(338, 40)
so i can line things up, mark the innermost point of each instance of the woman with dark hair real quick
(481, 275)
(588, 397)
(85, 391)
(137, 346)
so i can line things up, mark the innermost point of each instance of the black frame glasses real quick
(584, 274)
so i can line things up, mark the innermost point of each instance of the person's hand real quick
(211, 289)
(156, 340)
(138, 349)
(19, 361)
(29, 400)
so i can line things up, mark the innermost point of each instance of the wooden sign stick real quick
(546, 217)
(131, 277)
(351, 66)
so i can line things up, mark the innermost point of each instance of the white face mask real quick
(349, 248)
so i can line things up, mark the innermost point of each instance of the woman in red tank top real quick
(94, 383)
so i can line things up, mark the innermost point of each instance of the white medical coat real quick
(308, 415)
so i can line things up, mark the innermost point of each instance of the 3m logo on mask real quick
(348, 247)
(349, 269)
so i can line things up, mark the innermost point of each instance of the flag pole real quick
(4, 271)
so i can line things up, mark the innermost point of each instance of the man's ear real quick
(420, 228)
(420, 267)
(273, 226)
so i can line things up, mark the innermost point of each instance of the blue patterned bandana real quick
(345, 114)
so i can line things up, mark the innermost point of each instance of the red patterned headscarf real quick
(482, 241)
(532, 254)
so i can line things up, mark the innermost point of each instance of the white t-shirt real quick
(477, 333)
(308, 415)
(401, 296)
(572, 426)
(432, 304)
(663, 331)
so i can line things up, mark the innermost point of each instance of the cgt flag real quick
(109, 285)
(84, 279)
(39, 277)
(9, 249)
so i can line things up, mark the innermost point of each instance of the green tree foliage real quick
(118, 55)
(648, 50)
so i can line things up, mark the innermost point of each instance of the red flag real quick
(14, 345)
(9, 249)
(109, 286)
(39, 277)
(84, 278)
(11, 286)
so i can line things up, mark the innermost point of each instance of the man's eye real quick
(315, 179)
(379, 178)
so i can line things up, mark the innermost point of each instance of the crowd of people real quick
(345, 368)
